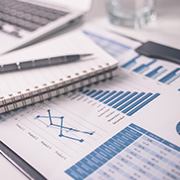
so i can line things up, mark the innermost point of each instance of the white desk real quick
(165, 30)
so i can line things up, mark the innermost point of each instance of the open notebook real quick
(22, 88)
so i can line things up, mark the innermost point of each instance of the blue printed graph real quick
(151, 69)
(131, 62)
(113, 47)
(154, 73)
(144, 67)
(125, 101)
(61, 126)
(170, 77)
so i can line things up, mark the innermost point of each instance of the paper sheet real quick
(119, 129)
(53, 136)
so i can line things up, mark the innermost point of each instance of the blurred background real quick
(165, 30)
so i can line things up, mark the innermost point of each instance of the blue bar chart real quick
(144, 67)
(170, 77)
(131, 62)
(156, 72)
(126, 102)
(139, 64)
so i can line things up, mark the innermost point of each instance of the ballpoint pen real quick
(38, 63)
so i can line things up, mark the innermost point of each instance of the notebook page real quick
(72, 43)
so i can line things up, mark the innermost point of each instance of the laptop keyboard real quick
(22, 15)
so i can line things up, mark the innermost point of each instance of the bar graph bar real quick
(119, 98)
(131, 63)
(101, 95)
(156, 72)
(86, 91)
(113, 97)
(125, 101)
(96, 94)
(91, 92)
(143, 104)
(107, 96)
(137, 102)
(130, 101)
(172, 76)
(143, 67)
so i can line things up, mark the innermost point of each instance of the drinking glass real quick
(131, 13)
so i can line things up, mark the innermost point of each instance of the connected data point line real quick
(61, 127)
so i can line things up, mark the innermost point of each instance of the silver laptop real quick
(23, 22)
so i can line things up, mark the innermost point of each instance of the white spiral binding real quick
(56, 88)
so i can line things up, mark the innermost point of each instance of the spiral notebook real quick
(22, 88)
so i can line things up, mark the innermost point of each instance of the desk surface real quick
(165, 30)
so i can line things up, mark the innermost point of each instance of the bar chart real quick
(139, 64)
(158, 70)
(170, 77)
(131, 63)
(142, 68)
(127, 102)
(151, 68)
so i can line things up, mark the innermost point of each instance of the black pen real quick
(24, 65)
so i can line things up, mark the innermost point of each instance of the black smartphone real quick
(159, 51)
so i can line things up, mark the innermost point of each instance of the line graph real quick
(61, 126)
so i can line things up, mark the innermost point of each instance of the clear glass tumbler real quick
(131, 13)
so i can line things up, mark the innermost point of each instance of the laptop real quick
(23, 22)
